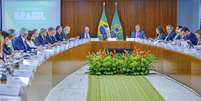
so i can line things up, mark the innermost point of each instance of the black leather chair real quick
(119, 50)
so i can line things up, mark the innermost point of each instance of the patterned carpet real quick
(121, 88)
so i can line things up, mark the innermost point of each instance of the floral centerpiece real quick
(111, 63)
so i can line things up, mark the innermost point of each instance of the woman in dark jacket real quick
(7, 50)
(161, 35)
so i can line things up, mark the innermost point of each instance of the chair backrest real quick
(119, 50)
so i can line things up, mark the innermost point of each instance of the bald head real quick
(86, 29)
(137, 28)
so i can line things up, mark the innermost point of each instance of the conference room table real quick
(40, 73)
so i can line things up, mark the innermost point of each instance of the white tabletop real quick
(10, 98)
(10, 90)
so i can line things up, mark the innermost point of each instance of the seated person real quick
(1, 36)
(42, 37)
(161, 34)
(35, 35)
(20, 42)
(29, 40)
(198, 35)
(7, 50)
(51, 35)
(86, 34)
(66, 32)
(170, 33)
(139, 33)
(178, 33)
(1, 53)
(60, 36)
(189, 36)
(12, 33)
(2, 60)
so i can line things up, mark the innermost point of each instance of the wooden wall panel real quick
(148, 13)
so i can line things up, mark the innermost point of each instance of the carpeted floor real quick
(75, 87)
(121, 88)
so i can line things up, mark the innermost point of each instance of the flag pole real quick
(116, 4)
(103, 4)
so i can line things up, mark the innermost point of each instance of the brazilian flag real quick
(116, 28)
(103, 27)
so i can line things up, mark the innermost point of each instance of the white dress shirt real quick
(86, 35)
(31, 44)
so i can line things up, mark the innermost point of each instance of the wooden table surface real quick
(182, 67)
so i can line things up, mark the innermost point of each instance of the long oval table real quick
(180, 66)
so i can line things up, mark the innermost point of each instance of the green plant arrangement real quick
(112, 63)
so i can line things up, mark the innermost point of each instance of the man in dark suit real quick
(170, 33)
(139, 33)
(179, 34)
(42, 37)
(60, 36)
(51, 35)
(86, 34)
(189, 36)
(20, 42)
(12, 33)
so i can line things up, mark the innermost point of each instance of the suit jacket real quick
(42, 41)
(60, 36)
(141, 35)
(18, 44)
(36, 41)
(170, 36)
(192, 37)
(51, 39)
(178, 37)
(162, 36)
(7, 50)
(82, 35)
(54, 39)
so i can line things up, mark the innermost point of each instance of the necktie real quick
(137, 34)
(86, 35)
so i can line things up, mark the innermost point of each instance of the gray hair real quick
(11, 31)
(23, 32)
(42, 30)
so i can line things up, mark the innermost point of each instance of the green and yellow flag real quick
(116, 27)
(103, 27)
